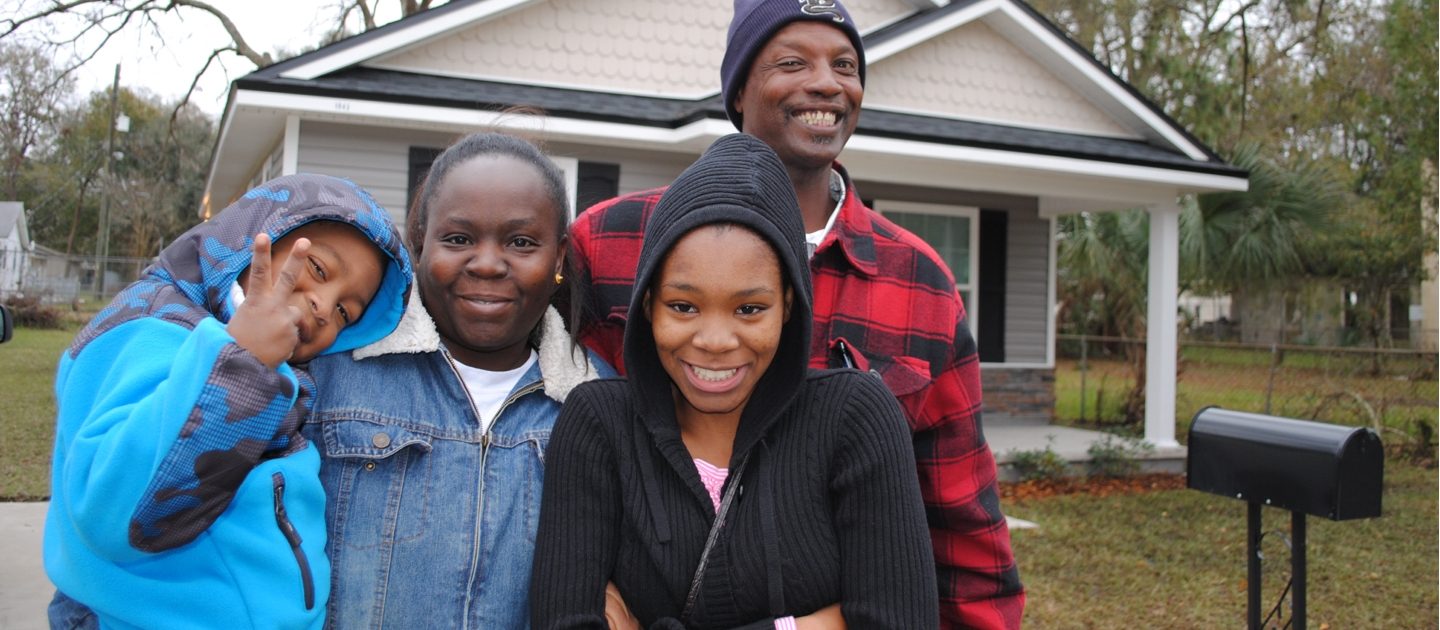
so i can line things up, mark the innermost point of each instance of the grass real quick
(1306, 385)
(1176, 559)
(27, 419)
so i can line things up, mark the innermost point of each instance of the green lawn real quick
(1176, 559)
(1334, 389)
(27, 419)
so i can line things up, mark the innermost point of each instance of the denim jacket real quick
(431, 519)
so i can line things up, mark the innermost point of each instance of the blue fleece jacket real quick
(183, 494)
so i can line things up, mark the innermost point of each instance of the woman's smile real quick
(714, 381)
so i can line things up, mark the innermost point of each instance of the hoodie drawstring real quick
(774, 568)
(652, 488)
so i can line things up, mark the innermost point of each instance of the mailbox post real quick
(1306, 467)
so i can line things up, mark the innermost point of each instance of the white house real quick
(15, 246)
(982, 122)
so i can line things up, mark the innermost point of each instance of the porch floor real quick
(1011, 435)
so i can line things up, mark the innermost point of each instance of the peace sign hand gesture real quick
(266, 324)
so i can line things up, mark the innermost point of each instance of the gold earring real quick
(559, 278)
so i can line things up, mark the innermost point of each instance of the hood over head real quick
(192, 278)
(739, 180)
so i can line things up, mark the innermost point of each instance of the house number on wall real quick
(343, 106)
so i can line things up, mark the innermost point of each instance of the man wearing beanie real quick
(793, 75)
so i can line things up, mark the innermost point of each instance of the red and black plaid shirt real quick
(887, 296)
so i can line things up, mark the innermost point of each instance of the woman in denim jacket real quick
(433, 439)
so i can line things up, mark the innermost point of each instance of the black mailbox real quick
(1301, 466)
(1311, 467)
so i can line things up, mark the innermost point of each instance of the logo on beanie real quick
(821, 7)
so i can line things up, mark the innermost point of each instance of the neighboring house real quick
(1307, 311)
(15, 247)
(1427, 321)
(982, 123)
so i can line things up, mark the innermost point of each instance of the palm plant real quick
(1229, 242)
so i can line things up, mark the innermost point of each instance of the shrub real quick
(1036, 464)
(1416, 442)
(1117, 457)
(30, 313)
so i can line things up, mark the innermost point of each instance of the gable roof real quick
(1045, 41)
(354, 72)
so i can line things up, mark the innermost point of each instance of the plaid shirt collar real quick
(854, 233)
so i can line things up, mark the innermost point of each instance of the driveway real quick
(24, 589)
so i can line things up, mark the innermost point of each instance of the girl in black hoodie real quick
(809, 474)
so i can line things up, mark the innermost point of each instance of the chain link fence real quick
(69, 280)
(1393, 390)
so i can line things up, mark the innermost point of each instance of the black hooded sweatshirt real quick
(828, 509)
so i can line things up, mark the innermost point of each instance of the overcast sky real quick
(167, 67)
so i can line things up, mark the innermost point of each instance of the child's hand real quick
(266, 324)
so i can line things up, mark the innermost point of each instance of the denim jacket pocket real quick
(519, 459)
(379, 474)
(536, 440)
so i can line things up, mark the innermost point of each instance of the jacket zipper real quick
(484, 451)
(282, 519)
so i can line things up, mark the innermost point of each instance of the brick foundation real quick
(1013, 393)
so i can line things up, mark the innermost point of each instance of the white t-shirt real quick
(237, 296)
(488, 390)
(837, 192)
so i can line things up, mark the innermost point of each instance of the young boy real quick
(183, 494)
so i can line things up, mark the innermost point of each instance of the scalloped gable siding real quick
(655, 47)
(974, 73)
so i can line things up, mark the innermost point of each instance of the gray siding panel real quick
(639, 170)
(376, 158)
(1027, 266)
(1027, 279)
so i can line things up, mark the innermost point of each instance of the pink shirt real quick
(713, 478)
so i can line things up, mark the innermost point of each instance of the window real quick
(419, 166)
(598, 182)
(953, 231)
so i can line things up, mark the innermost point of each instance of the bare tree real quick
(80, 29)
(32, 92)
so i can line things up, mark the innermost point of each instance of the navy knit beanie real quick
(756, 21)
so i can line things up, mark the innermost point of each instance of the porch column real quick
(1160, 328)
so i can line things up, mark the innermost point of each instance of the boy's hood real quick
(203, 263)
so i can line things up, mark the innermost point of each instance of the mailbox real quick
(1301, 466)
(1310, 467)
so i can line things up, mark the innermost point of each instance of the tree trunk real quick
(75, 216)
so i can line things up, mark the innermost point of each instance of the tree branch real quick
(241, 47)
(185, 99)
(65, 7)
(367, 14)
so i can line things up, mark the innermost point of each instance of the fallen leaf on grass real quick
(1093, 486)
